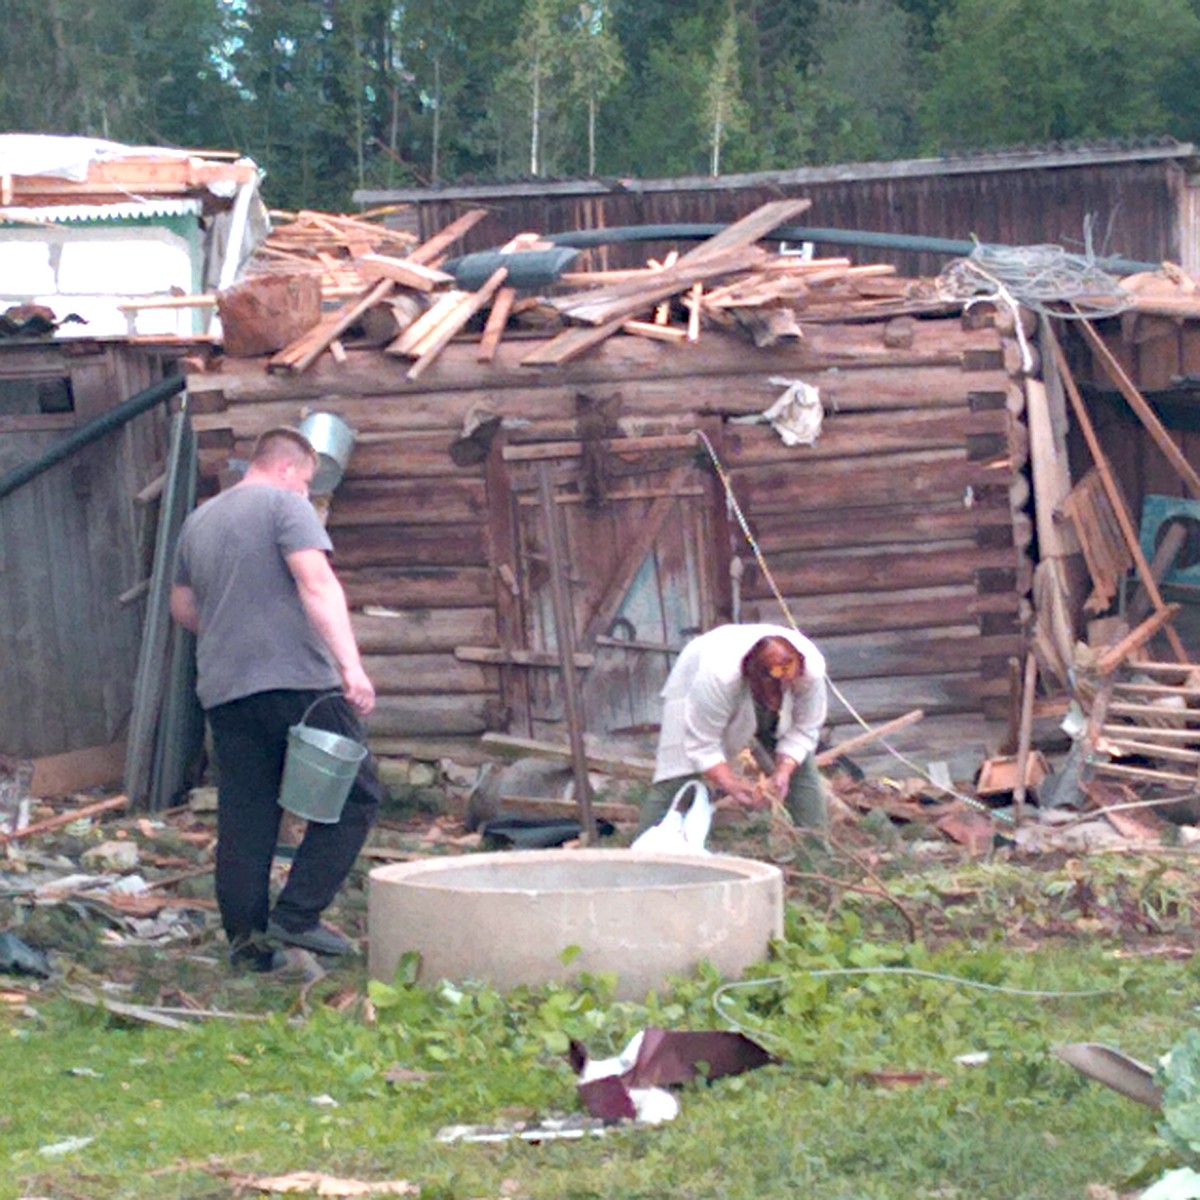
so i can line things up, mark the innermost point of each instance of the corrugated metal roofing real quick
(59, 214)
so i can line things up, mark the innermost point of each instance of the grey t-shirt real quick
(254, 633)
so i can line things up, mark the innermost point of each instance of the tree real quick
(723, 104)
(596, 63)
(857, 41)
(1019, 71)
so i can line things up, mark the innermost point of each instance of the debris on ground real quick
(632, 1085)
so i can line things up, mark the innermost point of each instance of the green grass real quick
(185, 1114)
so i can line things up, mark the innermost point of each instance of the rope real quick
(735, 508)
(1041, 278)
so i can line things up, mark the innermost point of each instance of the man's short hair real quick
(283, 445)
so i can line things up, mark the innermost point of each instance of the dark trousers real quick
(250, 740)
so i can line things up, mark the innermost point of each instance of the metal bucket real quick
(318, 771)
(333, 440)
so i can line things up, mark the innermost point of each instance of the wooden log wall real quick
(892, 538)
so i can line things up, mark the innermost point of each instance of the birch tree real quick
(540, 50)
(723, 104)
(596, 63)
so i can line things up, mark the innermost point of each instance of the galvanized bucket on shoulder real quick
(333, 440)
(319, 770)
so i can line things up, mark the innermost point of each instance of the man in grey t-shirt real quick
(254, 583)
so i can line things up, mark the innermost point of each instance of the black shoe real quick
(252, 952)
(318, 939)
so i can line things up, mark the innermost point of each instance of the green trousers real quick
(805, 800)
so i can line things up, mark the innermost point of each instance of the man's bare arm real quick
(325, 605)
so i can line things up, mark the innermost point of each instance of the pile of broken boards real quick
(412, 299)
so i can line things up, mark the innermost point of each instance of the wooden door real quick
(645, 543)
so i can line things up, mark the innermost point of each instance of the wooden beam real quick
(303, 352)
(457, 321)
(518, 658)
(403, 270)
(828, 757)
(1162, 439)
(1115, 655)
(1110, 486)
(65, 818)
(493, 330)
(432, 248)
(620, 767)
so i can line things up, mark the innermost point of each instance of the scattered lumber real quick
(414, 309)
(302, 353)
(515, 747)
(65, 818)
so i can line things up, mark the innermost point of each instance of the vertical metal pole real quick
(564, 633)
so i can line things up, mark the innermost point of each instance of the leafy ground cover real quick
(893, 968)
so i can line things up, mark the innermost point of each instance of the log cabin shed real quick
(891, 539)
(901, 539)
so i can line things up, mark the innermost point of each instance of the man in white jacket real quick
(729, 687)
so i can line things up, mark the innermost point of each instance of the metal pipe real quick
(950, 247)
(95, 429)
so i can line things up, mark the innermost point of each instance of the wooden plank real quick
(828, 757)
(618, 766)
(497, 319)
(65, 818)
(554, 806)
(932, 651)
(750, 228)
(1118, 504)
(570, 344)
(822, 616)
(303, 352)
(518, 658)
(627, 359)
(1136, 401)
(1150, 749)
(456, 322)
(1173, 716)
(463, 749)
(1144, 775)
(864, 434)
(624, 300)
(437, 245)
(844, 485)
(661, 333)
(626, 446)
(427, 322)
(1114, 656)
(882, 699)
(401, 270)
(77, 770)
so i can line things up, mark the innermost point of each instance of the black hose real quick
(95, 429)
(952, 248)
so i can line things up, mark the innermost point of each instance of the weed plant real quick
(356, 1078)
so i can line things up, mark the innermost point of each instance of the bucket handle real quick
(319, 700)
